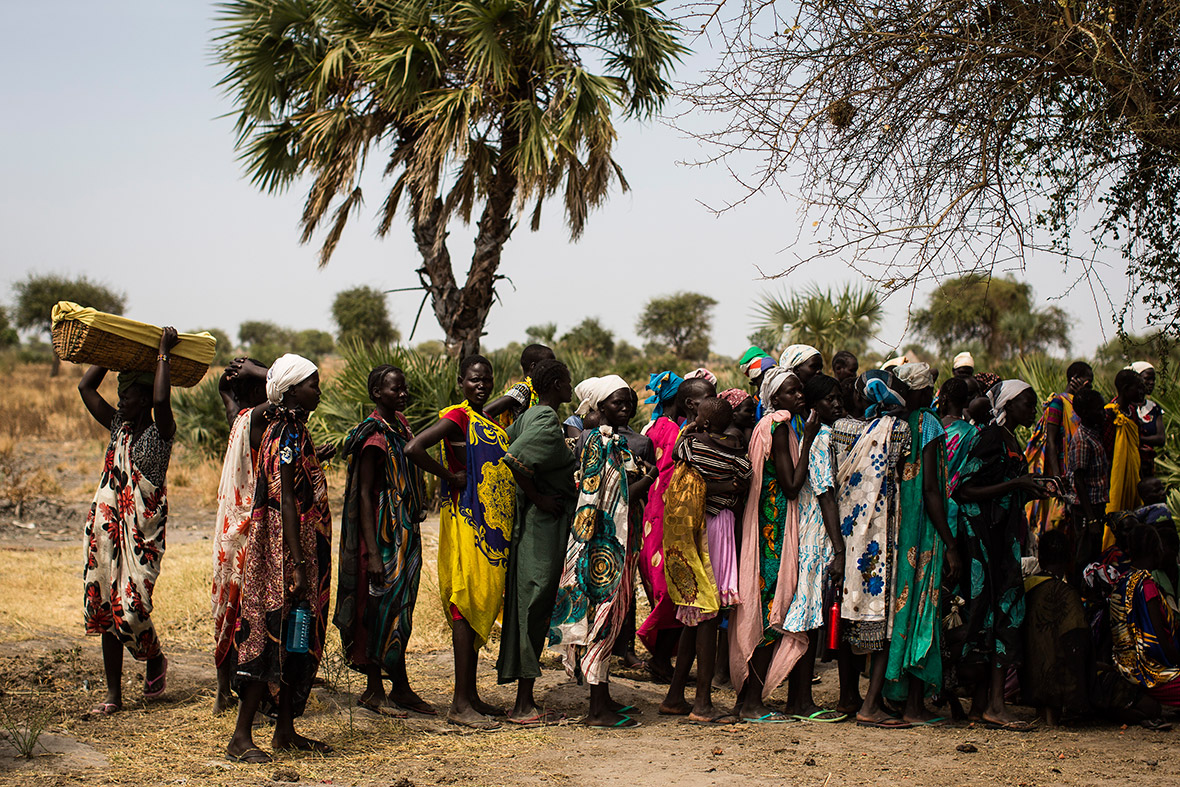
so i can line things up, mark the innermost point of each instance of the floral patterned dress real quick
(806, 612)
(125, 539)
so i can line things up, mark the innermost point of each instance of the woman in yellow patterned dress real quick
(475, 529)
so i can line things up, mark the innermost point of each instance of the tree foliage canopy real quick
(37, 294)
(589, 338)
(469, 106)
(683, 321)
(829, 320)
(998, 313)
(266, 341)
(361, 315)
(943, 137)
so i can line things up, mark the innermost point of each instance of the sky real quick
(117, 162)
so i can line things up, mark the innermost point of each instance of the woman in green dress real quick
(544, 469)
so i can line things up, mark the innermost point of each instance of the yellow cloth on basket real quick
(199, 347)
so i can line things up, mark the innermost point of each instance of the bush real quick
(200, 418)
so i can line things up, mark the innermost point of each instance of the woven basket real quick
(75, 341)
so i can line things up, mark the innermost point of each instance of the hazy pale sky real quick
(117, 161)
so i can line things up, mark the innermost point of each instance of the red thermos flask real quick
(834, 624)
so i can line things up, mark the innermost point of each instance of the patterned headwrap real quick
(286, 372)
(735, 396)
(702, 373)
(915, 375)
(663, 387)
(794, 356)
(755, 362)
(883, 391)
(1002, 393)
(986, 380)
(774, 379)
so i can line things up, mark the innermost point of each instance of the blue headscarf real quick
(663, 386)
(883, 391)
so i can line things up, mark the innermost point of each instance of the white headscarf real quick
(963, 359)
(773, 380)
(795, 355)
(599, 388)
(893, 363)
(702, 373)
(1139, 367)
(582, 391)
(1003, 392)
(915, 375)
(287, 371)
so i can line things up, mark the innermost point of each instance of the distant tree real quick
(265, 341)
(997, 312)
(589, 338)
(766, 338)
(829, 320)
(361, 314)
(682, 320)
(37, 294)
(431, 347)
(225, 346)
(545, 334)
(8, 334)
(312, 344)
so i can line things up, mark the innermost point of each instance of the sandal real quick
(774, 717)
(822, 716)
(381, 709)
(1158, 725)
(483, 725)
(251, 756)
(1010, 726)
(155, 687)
(720, 720)
(105, 709)
(624, 723)
(885, 724)
(543, 719)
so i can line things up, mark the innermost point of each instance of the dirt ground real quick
(50, 675)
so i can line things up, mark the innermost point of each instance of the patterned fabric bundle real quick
(687, 567)
(1049, 513)
(375, 613)
(1137, 651)
(597, 579)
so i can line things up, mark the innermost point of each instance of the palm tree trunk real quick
(461, 313)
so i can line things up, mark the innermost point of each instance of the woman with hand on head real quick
(287, 564)
(381, 548)
(475, 529)
(243, 390)
(597, 580)
(125, 526)
(544, 470)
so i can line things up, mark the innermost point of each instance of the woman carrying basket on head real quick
(125, 526)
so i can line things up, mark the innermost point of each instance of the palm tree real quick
(828, 320)
(467, 105)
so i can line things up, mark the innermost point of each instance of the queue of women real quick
(805, 516)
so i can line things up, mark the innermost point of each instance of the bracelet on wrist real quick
(163, 358)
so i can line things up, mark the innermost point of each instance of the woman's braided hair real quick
(547, 373)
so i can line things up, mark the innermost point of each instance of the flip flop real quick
(715, 721)
(424, 708)
(1159, 725)
(542, 719)
(628, 709)
(381, 709)
(822, 716)
(1011, 726)
(155, 687)
(105, 709)
(306, 744)
(937, 721)
(885, 724)
(483, 725)
(774, 717)
(251, 756)
(625, 723)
